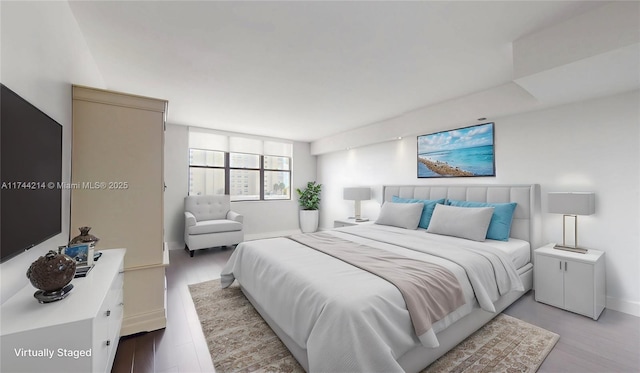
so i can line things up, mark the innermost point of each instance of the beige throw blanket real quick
(430, 291)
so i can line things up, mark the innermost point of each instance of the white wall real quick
(261, 218)
(586, 146)
(42, 53)
(274, 218)
(176, 176)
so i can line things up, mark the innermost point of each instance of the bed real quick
(335, 317)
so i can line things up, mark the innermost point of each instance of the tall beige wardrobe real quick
(117, 189)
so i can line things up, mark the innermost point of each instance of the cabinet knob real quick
(108, 312)
(108, 342)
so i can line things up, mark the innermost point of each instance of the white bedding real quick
(518, 250)
(348, 319)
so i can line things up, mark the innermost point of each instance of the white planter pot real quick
(309, 221)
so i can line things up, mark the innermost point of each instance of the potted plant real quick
(309, 199)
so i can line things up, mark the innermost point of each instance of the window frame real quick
(261, 170)
(223, 167)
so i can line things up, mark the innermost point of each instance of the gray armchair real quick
(209, 222)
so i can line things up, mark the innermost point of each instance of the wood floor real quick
(612, 344)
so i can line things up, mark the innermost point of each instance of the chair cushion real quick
(215, 226)
(208, 207)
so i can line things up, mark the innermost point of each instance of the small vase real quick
(84, 236)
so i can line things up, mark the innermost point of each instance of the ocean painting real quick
(461, 152)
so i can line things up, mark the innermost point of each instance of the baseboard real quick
(175, 245)
(145, 322)
(625, 306)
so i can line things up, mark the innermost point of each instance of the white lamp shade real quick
(357, 194)
(572, 203)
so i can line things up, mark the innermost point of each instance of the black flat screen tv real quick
(30, 175)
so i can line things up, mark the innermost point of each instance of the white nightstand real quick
(347, 222)
(571, 281)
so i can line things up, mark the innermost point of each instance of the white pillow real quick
(464, 222)
(403, 215)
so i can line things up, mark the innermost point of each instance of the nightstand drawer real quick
(348, 222)
(343, 223)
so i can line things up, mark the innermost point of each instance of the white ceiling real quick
(307, 70)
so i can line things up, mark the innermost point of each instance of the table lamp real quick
(570, 205)
(357, 194)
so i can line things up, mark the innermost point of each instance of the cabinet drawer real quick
(106, 327)
(343, 223)
(117, 313)
(100, 347)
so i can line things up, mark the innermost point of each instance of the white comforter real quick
(350, 320)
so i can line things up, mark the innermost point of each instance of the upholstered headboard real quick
(526, 217)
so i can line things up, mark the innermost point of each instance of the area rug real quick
(240, 340)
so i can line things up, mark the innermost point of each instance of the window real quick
(244, 176)
(206, 172)
(277, 177)
(220, 164)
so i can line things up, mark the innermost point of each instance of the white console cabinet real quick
(569, 280)
(77, 334)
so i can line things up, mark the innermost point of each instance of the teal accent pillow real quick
(427, 211)
(500, 226)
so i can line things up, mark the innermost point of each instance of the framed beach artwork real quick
(462, 152)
